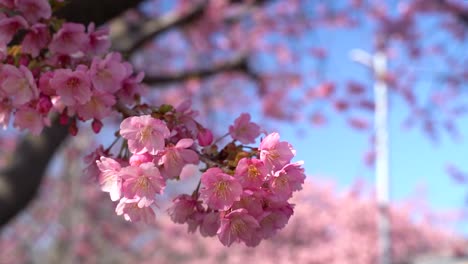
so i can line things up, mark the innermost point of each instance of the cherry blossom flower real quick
(175, 158)
(132, 212)
(274, 220)
(238, 225)
(252, 201)
(220, 190)
(70, 39)
(33, 10)
(183, 207)
(99, 41)
(251, 173)
(18, 83)
(143, 181)
(44, 84)
(210, 224)
(274, 153)
(36, 39)
(74, 87)
(244, 130)
(144, 134)
(29, 118)
(107, 74)
(287, 180)
(92, 171)
(131, 88)
(9, 27)
(99, 106)
(110, 177)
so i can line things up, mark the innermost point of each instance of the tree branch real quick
(460, 13)
(20, 180)
(238, 63)
(97, 11)
(129, 39)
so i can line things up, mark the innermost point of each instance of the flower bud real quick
(205, 137)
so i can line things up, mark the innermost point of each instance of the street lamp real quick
(377, 62)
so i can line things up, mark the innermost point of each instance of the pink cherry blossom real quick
(238, 226)
(92, 171)
(220, 190)
(210, 224)
(274, 220)
(175, 158)
(131, 87)
(132, 212)
(244, 130)
(99, 41)
(275, 153)
(33, 10)
(44, 83)
(18, 83)
(9, 27)
(143, 181)
(183, 207)
(70, 39)
(251, 173)
(252, 201)
(99, 106)
(287, 180)
(29, 118)
(144, 134)
(110, 177)
(107, 74)
(36, 39)
(74, 87)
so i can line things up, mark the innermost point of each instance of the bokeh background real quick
(291, 65)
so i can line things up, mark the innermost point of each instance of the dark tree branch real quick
(460, 13)
(130, 39)
(238, 63)
(21, 179)
(97, 11)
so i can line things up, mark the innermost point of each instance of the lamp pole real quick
(377, 62)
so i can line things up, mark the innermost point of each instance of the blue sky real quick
(417, 164)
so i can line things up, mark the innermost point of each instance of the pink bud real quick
(73, 129)
(96, 125)
(137, 159)
(205, 137)
(64, 118)
(44, 105)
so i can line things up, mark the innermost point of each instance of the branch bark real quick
(238, 63)
(97, 11)
(129, 39)
(20, 180)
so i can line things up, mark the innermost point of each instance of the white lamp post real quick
(378, 64)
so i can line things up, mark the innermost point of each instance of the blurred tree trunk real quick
(20, 180)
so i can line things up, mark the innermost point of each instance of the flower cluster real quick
(248, 200)
(51, 66)
(243, 191)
